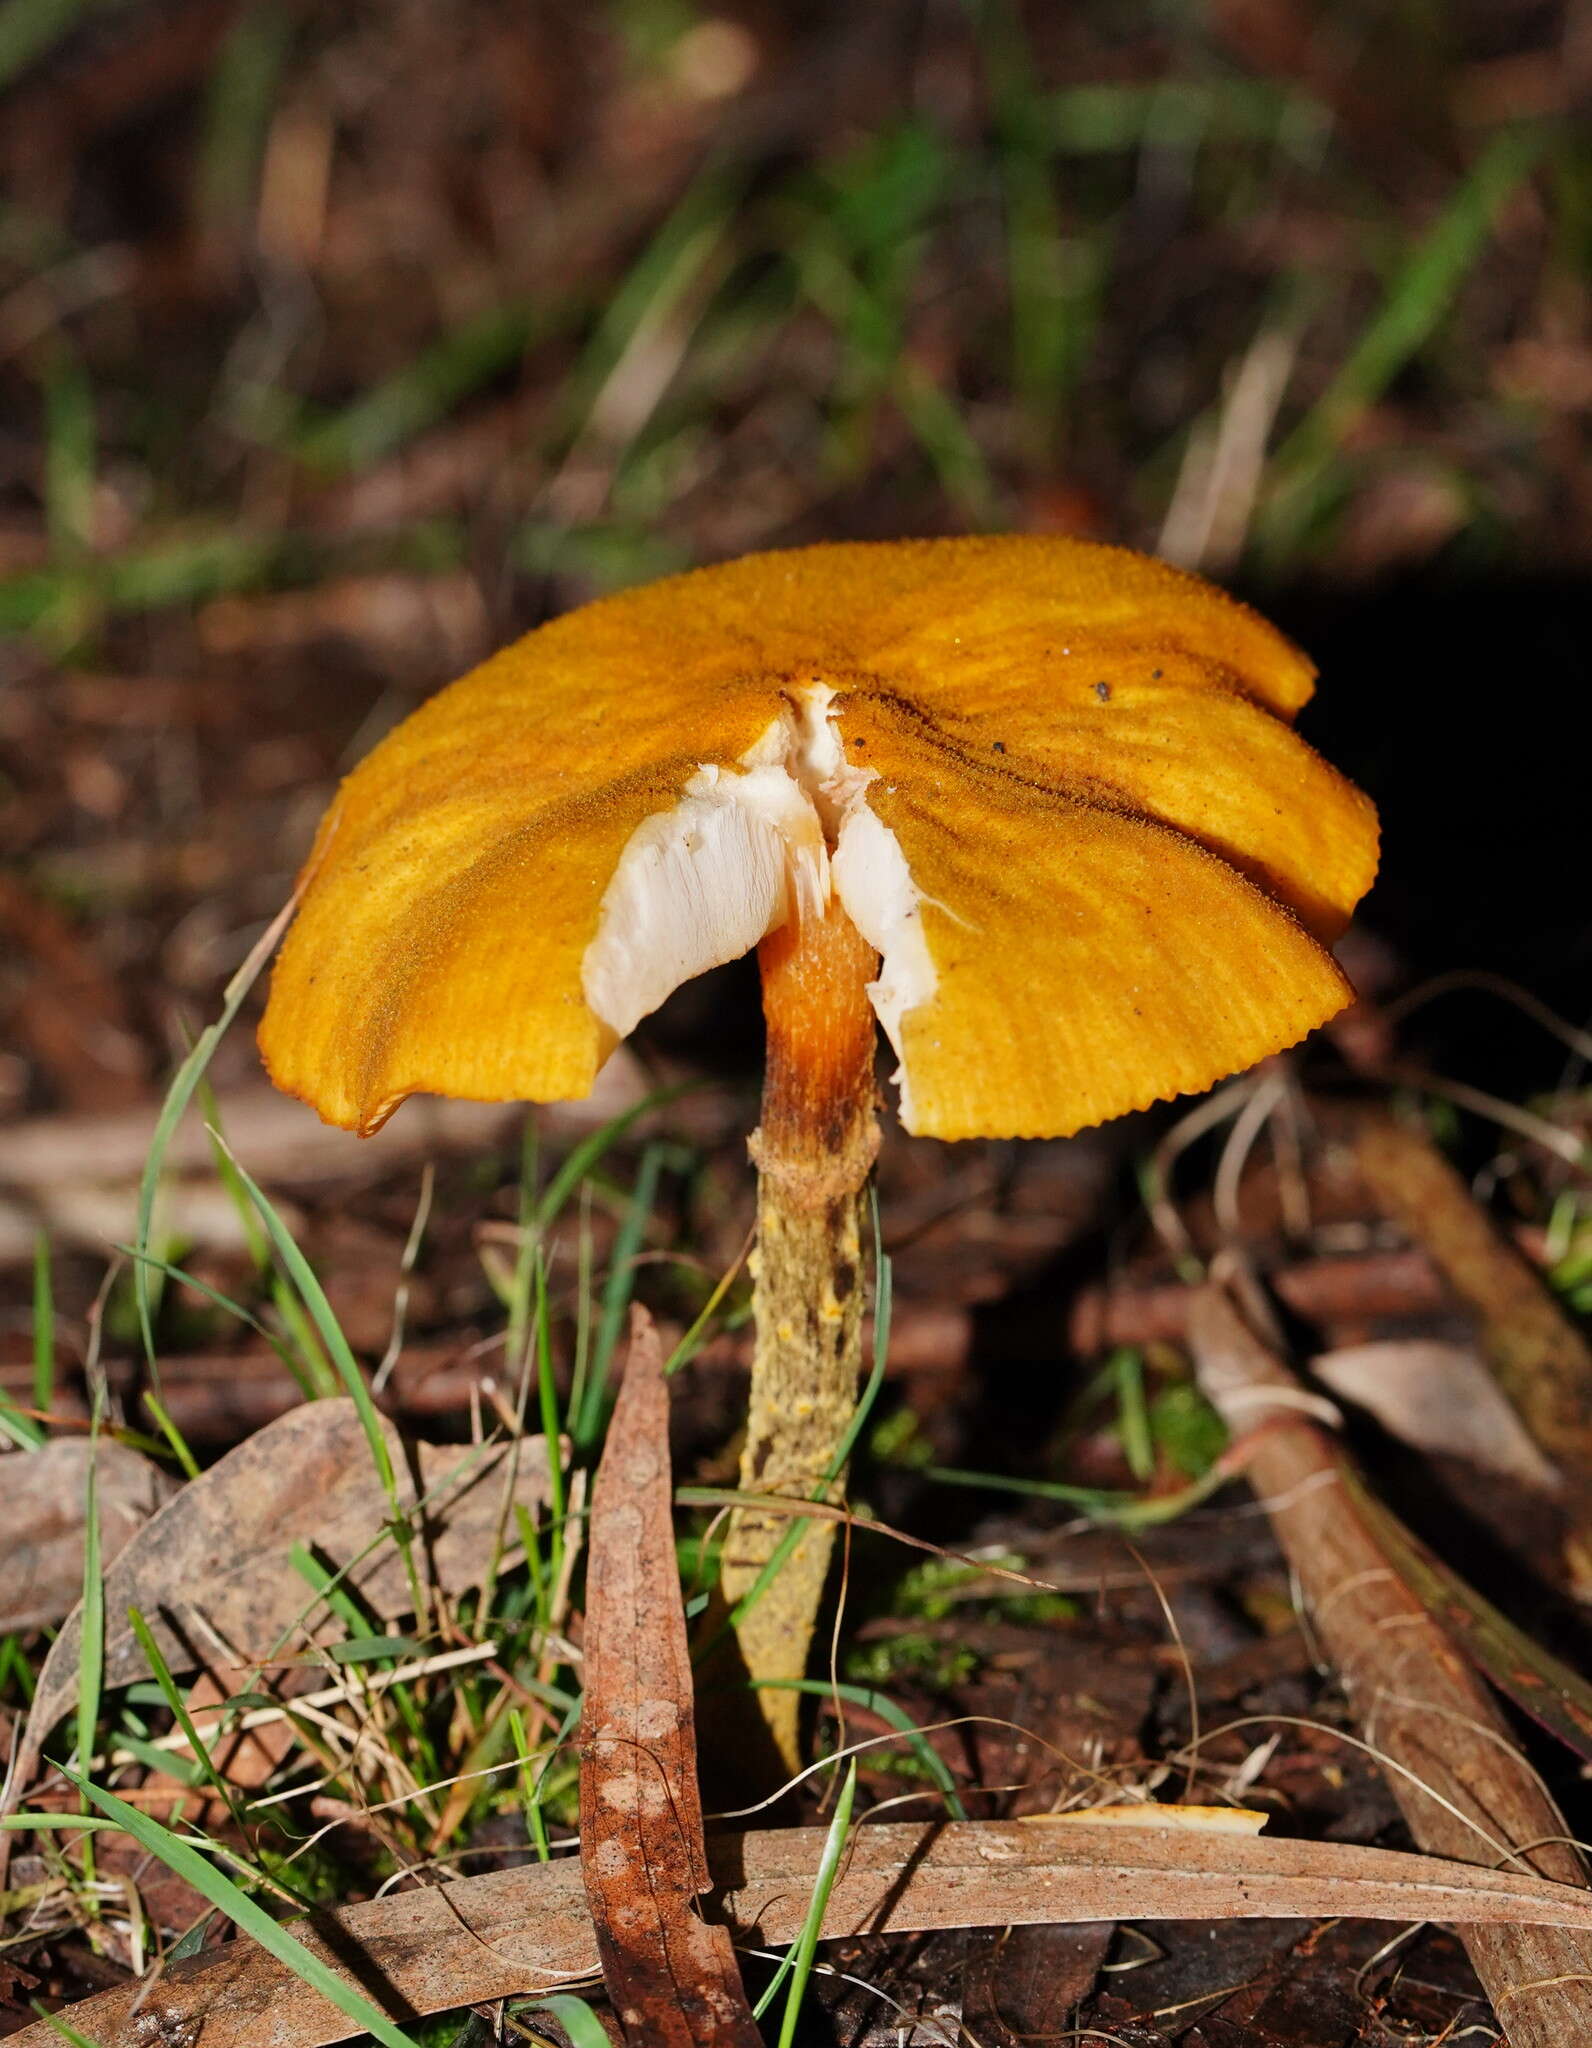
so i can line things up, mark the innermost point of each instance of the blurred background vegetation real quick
(338, 344)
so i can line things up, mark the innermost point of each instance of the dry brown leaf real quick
(672, 1977)
(1543, 1363)
(43, 1548)
(517, 1933)
(1440, 1398)
(211, 1570)
(248, 1757)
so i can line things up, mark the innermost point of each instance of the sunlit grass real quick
(948, 291)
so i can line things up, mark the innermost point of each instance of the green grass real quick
(91, 1626)
(1422, 278)
(43, 1327)
(501, 1725)
(920, 319)
(952, 289)
(797, 1966)
(455, 366)
(193, 1865)
(29, 29)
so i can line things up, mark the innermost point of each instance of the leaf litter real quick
(1463, 1785)
(634, 1914)
(213, 1570)
(529, 1931)
(44, 1492)
(1439, 1398)
(419, 413)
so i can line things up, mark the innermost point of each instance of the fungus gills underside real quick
(747, 850)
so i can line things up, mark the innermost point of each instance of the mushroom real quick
(1031, 804)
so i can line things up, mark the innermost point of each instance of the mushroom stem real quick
(814, 1150)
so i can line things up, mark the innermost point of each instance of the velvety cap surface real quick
(1129, 865)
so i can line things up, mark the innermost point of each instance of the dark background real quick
(338, 344)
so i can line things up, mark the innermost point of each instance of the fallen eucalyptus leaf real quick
(672, 1977)
(528, 1932)
(1438, 1398)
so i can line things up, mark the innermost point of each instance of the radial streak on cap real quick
(1009, 707)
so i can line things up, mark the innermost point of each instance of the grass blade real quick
(1109, 1510)
(313, 1295)
(57, 2025)
(178, 1096)
(1133, 1414)
(586, 1418)
(246, 1914)
(21, 1428)
(1415, 306)
(798, 1963)
(43, 1328)
(91, 1660)
(575, 2016)
(172, 1694)
(873, 1702)
(426, 390)
(586, 1154)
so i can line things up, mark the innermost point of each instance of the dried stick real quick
(1453, 1766)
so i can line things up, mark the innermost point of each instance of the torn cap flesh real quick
(1054, 785)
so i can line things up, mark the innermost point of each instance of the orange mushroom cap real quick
(1054, 783)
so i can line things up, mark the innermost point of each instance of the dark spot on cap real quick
(1000, 746)
(1155, 675)
(1103, 692)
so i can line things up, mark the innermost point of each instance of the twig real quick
(1453, 1767)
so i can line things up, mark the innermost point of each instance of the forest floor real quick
(339, 346)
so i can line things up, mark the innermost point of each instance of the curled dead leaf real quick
(672, 1977)
(1439, 1398)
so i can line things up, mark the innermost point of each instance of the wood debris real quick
(1450, 1760)
(1543, 1363)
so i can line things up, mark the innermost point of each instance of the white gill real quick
(743, 849)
